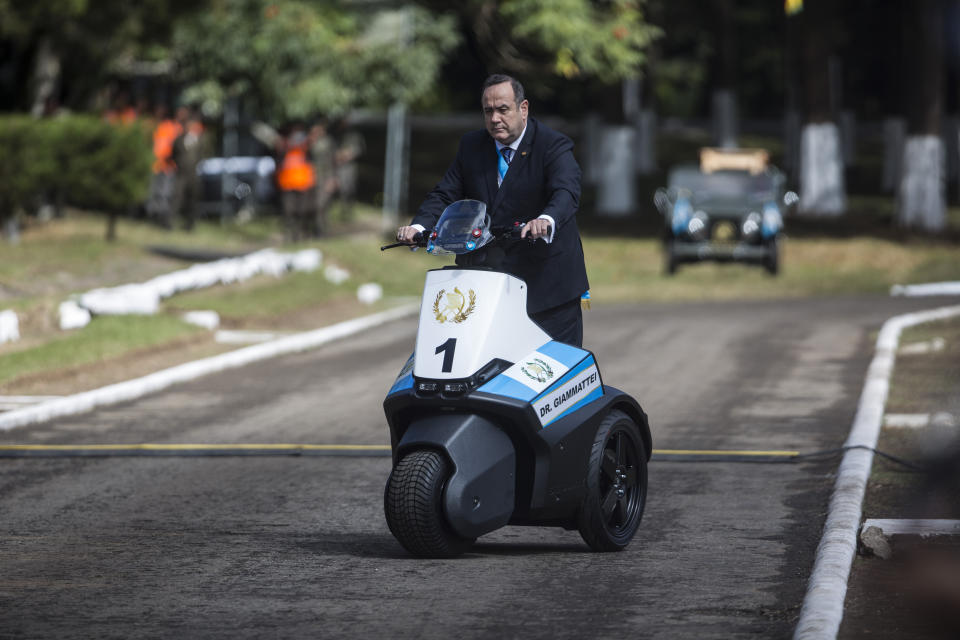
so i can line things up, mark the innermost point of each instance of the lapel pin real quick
(523, 153)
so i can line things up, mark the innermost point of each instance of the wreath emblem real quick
(538, 370)
(457, 308)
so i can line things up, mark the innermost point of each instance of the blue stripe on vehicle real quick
(506, 386)
(406, 382)
(589, 362)
(565, 354)
(596, 394)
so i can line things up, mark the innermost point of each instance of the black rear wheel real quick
(616, 485)
(413, 504)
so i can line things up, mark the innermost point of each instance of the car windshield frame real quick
(698, 186)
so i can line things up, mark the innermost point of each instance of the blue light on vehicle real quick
(772, 220)
(682, 211)
(471, 245)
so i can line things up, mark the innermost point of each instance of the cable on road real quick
(383, 451)
(189, 450)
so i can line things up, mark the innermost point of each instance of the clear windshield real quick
(725, 185)
(463, 227)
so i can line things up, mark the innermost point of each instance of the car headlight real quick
(772, 220)
(697, 226)
(750, 227)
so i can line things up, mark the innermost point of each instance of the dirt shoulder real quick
(915, 593)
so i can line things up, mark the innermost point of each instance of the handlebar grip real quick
(419, 240)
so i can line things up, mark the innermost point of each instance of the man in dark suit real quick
(524, 172)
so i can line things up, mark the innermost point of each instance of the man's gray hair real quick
(500, 78)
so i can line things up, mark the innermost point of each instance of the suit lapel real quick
(516, 165)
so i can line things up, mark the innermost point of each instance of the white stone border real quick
(928, 289)
(823, 604)
(132, 389)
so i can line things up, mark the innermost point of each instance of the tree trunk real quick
(645, 157)
(822, 187)
(725, 119)
(921, 198)
(894, 136)
(922, 194)
(616, 192)
(111, 234)
(46, 77)
(724, 99)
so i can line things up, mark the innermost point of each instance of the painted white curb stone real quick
(929, 289)
(823, 604)
(369, 293)
(335, 274)
(145, 297)
(73, 316)
(924, 528)
(206, 319)
(9, 326)
(132, 389)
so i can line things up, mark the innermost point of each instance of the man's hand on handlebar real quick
(407, 235)
(536, 228)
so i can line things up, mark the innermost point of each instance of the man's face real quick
(503, 117)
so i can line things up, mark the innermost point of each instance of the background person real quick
(351, 146)
(165, 133)
(323, 152)
(297, 181)
(188, 150)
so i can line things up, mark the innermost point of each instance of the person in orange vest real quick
(164, 168)
(121, 112)
(297, 181)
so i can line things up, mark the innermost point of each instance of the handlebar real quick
(500, 233)
(419, 240)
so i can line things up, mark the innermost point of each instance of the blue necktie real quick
(503, 161)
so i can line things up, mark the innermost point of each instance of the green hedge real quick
(83, 160)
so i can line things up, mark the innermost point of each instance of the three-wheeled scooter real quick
(494, 423)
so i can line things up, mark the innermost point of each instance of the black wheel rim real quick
(620, 484)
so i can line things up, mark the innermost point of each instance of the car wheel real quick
(670, 262)
(772, 260)
(616, 485)
(413, 505)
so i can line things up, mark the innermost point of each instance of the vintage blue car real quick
(728, 209)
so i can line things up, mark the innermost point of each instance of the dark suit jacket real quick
(544, 178)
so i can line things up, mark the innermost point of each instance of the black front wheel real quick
(616, 485)
(771, 262)
(413, 504)
(670, 260)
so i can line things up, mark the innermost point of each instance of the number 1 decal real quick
(447, 349)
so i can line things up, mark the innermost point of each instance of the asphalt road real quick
(291, 547)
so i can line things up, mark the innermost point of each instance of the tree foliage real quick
(595, 39)
(91, 39)
(304, 58)
(600, 40)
